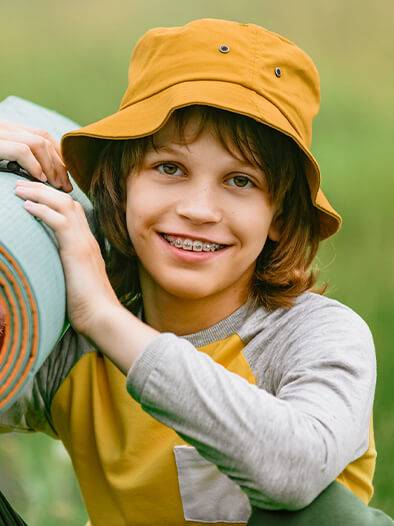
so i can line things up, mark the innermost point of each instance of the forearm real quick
(242, 429)
(283, 449)
(278, 454)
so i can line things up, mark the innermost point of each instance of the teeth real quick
(197, 246)
(189, 244)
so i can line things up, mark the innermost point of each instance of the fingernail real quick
(44, 178)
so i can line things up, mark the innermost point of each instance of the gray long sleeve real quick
(286, 438)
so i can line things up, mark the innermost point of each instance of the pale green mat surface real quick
(29, 258)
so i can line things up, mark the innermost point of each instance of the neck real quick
(167, 313)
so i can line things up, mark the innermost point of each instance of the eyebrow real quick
(169, 149)
(175, 149)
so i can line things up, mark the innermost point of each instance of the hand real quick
(89, 291)
(36, 151)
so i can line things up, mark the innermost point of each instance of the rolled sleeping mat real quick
(335, 506)
(32, 285)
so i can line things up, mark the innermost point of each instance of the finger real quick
(58, 175)
(47, 195)
(55, 178)
(43, 152)
(48, 137)
(52, 163)
(60, 170)
(17, 127)
(44, 146)
(64, 224)
(21, 153)
(37, 146)
(46, 155)
(52, 218)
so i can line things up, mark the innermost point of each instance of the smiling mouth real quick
(194, 245)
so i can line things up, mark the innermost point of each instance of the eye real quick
(241, 181)
(169, 169)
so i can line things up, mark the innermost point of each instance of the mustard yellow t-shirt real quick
(263, 409)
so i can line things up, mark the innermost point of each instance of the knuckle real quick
(22, 150)
(38, 143)
(44, 133)
(69, 201)
(61, 168)
(63, 222)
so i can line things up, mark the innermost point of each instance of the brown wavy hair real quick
(283, 268)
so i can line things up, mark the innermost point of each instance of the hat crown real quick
(164, 57)
(241, 68)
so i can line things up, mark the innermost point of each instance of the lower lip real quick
(191, 255)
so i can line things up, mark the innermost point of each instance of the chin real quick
(192, 292)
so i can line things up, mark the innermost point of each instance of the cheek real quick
(252, 225)
(144, 209)
(255, 242)
(134, 213)
(131, 217)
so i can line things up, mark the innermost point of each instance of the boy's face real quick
(201, 192)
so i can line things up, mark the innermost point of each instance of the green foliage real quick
(72, 57)
(39, 481)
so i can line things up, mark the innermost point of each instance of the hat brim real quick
(80, 148)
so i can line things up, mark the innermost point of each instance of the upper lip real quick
(193, 236)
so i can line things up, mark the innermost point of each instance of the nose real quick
(199, 206)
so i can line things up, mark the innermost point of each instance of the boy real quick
(209, 204)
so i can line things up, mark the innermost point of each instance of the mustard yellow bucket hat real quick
(242, 68)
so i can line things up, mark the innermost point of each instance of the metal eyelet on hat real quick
(278, 72)
(224, 48)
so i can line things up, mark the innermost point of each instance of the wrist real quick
(103, 323)
(119, 335)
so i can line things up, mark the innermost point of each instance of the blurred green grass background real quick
(73, 57)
